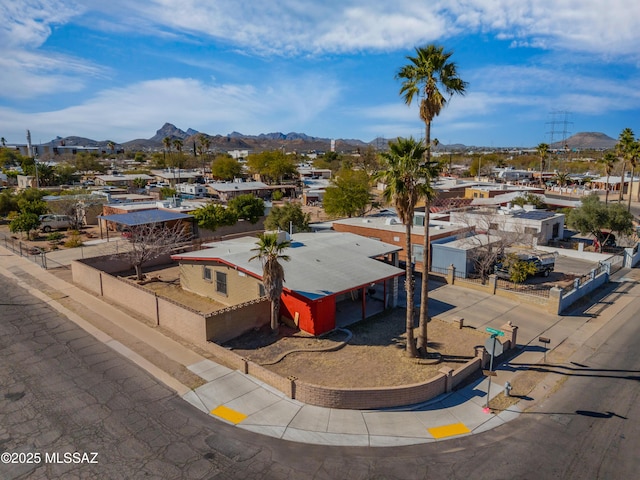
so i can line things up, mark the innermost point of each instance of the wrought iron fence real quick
(537, 290)
(35, 254)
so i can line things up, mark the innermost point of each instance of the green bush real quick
(74, 240)
(55, 236)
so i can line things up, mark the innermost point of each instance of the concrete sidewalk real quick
(238, 399)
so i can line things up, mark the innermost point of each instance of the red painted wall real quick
(314, 317)
(324, 315)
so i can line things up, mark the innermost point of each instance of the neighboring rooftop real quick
(143, 217)
(320, 265)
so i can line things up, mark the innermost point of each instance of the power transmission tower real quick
(559, 127)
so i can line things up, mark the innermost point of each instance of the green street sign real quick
(493, 331)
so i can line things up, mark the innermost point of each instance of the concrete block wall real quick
(460, 374)
(188, 324)
(369, 398)
(223, 325)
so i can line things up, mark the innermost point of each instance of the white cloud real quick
(128, 112)
(295, 26)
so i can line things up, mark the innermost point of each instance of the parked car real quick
(544, 263)
(55, 222)
(606, 239)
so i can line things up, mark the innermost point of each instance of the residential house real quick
(524, 225)
(226, 191)
(388, 228)
(331, 279)
(121, 180)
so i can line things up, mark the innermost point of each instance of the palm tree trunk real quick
(426, 264)
(424, 287)
(606, 195)
(621, 195)
(275, 311)
(630, 187)
(409, 286)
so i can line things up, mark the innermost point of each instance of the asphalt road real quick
(64, 392)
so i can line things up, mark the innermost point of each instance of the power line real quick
(559, 126)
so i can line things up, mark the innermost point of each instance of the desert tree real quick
(431, 78)
(152, 240)
(270, 251)
(289, 216)
(212, 216)
(24, 222)
(593, 217)
(247, 207)
(348, 194)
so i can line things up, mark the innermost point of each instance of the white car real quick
(55, 222)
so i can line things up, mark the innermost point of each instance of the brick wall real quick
(368, 398)
(467, 369)
(223, 325)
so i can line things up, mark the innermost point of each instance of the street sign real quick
(493, 346)
(493, 331)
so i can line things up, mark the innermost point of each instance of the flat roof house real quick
(332, 278)
(388, 228)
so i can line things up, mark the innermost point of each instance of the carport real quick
(121, 221)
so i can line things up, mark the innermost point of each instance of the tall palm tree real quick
(270, 252)
(166, 142)
(632, 160)
(543, 152)
(401, 173)
(205, 143)
(177, 144)
(608, 161)
(428, 78)
(624, 147)
(3, 141)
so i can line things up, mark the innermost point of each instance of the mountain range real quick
(299, 142)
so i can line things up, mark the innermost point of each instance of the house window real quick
(221, 282)
(531, 231)
(261, 291)
(206, 274)
(417, 252)
(418, 220)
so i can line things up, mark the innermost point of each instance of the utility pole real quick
(31, 152)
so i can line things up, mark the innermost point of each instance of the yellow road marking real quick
(228, 414)
(448, 430)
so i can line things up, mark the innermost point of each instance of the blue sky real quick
(119, 70)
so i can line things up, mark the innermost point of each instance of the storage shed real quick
(459, 253)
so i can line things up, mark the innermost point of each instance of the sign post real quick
(494, 335)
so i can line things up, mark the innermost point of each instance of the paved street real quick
(64, 391)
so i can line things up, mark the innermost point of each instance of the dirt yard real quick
(372, 357)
